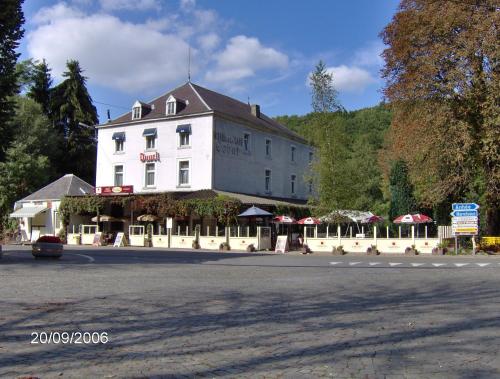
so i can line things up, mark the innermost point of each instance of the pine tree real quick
(324, 95)
(40, 89)
(11, 21)
(75, 117)
(402, 199)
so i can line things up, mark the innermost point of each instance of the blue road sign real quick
(464, 206)
(463, 214)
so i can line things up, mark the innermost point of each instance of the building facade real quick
(194, 139)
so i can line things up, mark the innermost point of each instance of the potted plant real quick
(305, 249)
(372, 250)
(47, 246)
(339, 250)
(251, 248)
(224, 246)
(440, 249)
(411, 250)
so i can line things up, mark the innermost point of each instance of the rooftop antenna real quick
(189, 64)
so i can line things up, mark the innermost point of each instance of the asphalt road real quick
(211, 314)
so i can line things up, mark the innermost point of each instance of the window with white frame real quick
(118, 175)
(292, 153)
(57, 220)
(246, 141)
(150, 171)
(267, 181)
(292, 183)
(183, 173)
(136, 113)
(171, 105)
(268, 147)
(119, 143)
(184, 139)
(150, 142)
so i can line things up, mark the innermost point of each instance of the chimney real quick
(109, 115)
(255, 108)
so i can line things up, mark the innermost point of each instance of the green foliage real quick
(21, 173)
(81, 205)
(40, 89)
(348, 145)
(402, 199)
(324, 95)
(11, 32)
(75, 117)
(296, 212)
(29, 159)
(441, 70)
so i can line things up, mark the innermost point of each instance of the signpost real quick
(464, 221)
(119, 240)
(281, 244)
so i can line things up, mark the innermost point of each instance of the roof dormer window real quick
(139, 110)
(136, 113)
(171, 105)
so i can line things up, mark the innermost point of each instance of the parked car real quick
(47, 247)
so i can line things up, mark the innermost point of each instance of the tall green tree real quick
(328, 135)
(442, 73)
(41, 86)
(324, 95)
(30, 158)
(401, 189)
(76, 117)
(11, 21)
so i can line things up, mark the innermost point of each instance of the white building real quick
(193, 139)
(38, 213)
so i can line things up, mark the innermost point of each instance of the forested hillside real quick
(357, 139)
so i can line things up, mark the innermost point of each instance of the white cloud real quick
(142, 5)
(243, 57)
(350, 79)
(117, 54)
(370, 55)
(59, 11)
(209, 42)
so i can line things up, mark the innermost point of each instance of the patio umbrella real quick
(106, 218)
(373, 219)
(284, 220)
(254, 211)
(416, 218)
(309, 221)
(147, 218)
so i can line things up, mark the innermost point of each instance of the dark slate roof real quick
(195, 99)
(68, 185)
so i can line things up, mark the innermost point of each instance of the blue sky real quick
(262, 50)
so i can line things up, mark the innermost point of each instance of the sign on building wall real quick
(114, 190)
(227, 144)
(154, 157)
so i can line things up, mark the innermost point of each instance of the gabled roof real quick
(196, 99)
(68, 185)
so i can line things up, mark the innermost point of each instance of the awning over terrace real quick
(28, 211)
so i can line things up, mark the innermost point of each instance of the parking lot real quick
(211, 314)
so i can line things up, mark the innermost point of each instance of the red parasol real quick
(413, 219)
(284, 220)
(309, 221)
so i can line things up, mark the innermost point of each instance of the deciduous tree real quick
(442, 81)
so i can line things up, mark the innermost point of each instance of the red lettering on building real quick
(149, 157)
